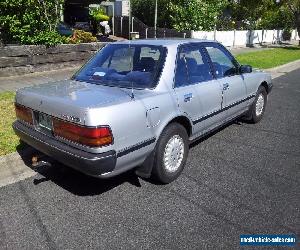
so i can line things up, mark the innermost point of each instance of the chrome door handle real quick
(188, 97)
(225, 86)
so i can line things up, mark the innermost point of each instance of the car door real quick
(226, 70)
(198, 94)
(185, 92)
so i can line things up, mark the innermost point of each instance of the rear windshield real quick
(123, 65)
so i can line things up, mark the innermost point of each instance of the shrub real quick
(48, 38)
(286, 34)
(30, 21)
(80, 36)
(98, 15)
(225, 23)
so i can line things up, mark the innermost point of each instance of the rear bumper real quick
(88, 163)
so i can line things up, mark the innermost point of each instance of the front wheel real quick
(258, 107)
(171, 153)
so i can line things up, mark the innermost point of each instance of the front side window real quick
(224, 65)
(124, 65)
(192, 67)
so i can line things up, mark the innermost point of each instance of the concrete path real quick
(14, 167)
(13, 83)
(284, 69)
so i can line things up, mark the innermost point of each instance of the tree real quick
(293, 6)
(195, 14)
(248, 13)
(144, 10)
(277, 17)
(180, 14)
(30, 21)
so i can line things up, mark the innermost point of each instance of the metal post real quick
(132, 24)
(146, 33)
(215, 29)
(234, 33)
(61, 12)
(121, 26)
(113, 21)
(155, 19)
(129, 19)
(215, 32)
(184, 35)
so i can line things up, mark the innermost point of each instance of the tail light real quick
(23, 113)
(93, 137)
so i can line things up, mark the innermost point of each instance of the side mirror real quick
(244, 69)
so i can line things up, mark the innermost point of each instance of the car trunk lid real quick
(70, 99)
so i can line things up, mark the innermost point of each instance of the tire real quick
(171, 153)
(258, 107)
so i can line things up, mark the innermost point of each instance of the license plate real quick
(45, 121)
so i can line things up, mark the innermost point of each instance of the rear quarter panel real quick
(135, 122)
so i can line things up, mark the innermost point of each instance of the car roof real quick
(163, 42)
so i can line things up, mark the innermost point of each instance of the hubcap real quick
(173, 154)
(259, 107)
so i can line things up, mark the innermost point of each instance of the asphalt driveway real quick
(243, 179)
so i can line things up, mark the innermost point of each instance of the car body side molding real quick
(135, 147)
(223, 109)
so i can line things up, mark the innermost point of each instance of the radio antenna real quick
(130, 51)
(131, 68)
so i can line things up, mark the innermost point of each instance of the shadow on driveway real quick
(81, 184)
(72, 180)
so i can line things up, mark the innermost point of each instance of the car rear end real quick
(97, 121)
(67, 141)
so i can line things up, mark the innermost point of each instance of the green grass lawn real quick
(8, 140)
(270, 58)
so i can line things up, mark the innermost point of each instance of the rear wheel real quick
(171, 153)
(258, 107)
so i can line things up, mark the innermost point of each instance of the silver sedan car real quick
(138, 105)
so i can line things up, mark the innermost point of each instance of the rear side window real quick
(224, 64)
(192, 67)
